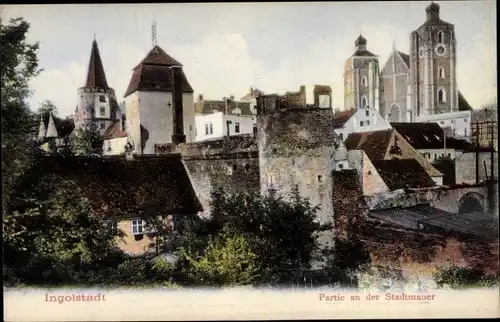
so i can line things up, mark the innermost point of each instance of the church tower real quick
(433, 66)
(96, 100)
(361, 78)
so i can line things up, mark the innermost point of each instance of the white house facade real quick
(459, 122)
(218, 125)
(360, 120)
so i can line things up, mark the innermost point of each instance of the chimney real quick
(231, 98)
(177, 112)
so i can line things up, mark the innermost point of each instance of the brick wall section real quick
(412, 251)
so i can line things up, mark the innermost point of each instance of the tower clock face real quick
(421, 52)
(440, 50)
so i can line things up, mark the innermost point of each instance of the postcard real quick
(237, 161)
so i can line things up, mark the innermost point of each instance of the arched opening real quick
(364, 83)
(441, 95)
(440, 36)
(470, 203)
(441, 73)
(394, 113)
(364, 102)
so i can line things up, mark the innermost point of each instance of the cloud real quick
(219, 64)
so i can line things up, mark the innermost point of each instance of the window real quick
(465, 132)
(441, 72)
(237, 127)
(440, 37)
(364, 83)
(211, 128)
(341, 166)
(271, 180)
(441, 96)
(103, 126)
(206, 129)
(441, 122)
(103, 111)
(138, 226)
(102, 98)
(320, 178)
(361, 123)
(255, 129)
(364, 102)
(367, 113)
(465, 120)
(367, 123)
(341, 135)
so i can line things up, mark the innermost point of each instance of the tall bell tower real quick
(433, 66)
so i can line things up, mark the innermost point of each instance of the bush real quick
(461, 277)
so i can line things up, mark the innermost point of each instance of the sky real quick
(226, 48)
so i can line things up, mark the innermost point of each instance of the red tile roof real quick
(113, 132)
(121, 188)
(403, 173)
(95, 74)
(375, 144)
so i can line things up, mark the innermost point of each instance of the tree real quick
(54, 235)
(88, 139)
(446, 165)
(47, 107)
(19, 63)
(228, 260)
(159, 228)
(282, 234)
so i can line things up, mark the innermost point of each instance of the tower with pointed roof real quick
(361, 78)
(159, 103)
(96, 101)
(433, 65)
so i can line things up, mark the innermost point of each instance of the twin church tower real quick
(408, 87)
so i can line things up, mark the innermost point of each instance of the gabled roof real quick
(113, 131)
(427, 135)
(95, 74)
(341, 118)
(254, 93)
(375, 143)
(153, 74)
(158, 56)
(64, 127)
(405, 58)
(463, 105)
(403, 173)
(120, 188)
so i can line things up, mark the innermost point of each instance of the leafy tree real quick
(446, 165)
(282, 234)
(47, 107)
(159, 228)
(227, 260)
(19, 64)
(88, 139)
(54, 233)
(461, 277)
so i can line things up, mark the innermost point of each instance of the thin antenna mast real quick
(153, 33)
